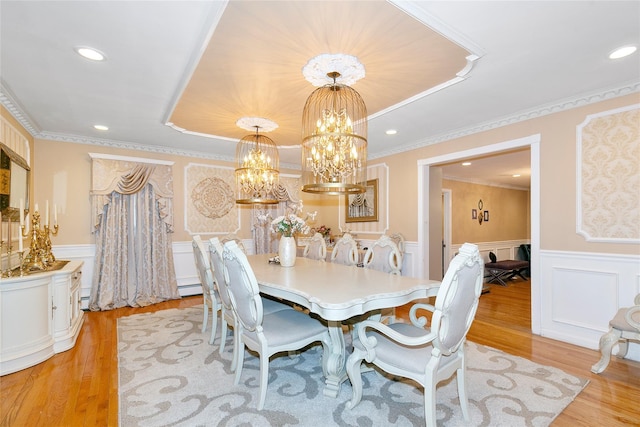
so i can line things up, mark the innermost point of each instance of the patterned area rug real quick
(170, 376)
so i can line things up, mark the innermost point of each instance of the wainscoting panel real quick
(506, 249)
(581, 292)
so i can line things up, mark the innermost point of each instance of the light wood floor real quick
(80, 386)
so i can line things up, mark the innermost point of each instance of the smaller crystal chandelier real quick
(257, 165)
(334, 128)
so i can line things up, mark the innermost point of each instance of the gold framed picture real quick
(363, 207)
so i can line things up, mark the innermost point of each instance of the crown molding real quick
(17, 112)
(540, 111)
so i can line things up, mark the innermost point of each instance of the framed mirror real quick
(14, 183)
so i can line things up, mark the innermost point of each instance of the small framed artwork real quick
(363, 207)
(474, 214)
(486, 216)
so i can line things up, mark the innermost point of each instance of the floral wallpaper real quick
(609, 176)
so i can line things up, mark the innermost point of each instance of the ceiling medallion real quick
(251, 123)
(349, 68)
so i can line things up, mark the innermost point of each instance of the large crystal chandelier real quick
(257, 167)
(334, 130)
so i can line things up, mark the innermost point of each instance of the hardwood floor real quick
(80, 386)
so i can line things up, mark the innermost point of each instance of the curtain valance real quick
(129, 177)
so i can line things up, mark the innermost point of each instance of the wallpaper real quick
(210, 205)
(609, 176)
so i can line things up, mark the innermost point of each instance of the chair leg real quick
(462, 393)
(430, 403)
(239, 359)
(264, 380)
(355, 376)
(224, 332)
(607, 341)
(214, 322)
(205, 315)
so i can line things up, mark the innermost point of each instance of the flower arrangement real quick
(323, 229)
(289, 225)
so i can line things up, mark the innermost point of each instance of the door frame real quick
(531, 141)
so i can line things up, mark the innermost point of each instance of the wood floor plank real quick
(80, 387)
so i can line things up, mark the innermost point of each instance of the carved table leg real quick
(607, 341)
(334, 366)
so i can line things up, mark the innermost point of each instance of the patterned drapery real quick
(133, 219)
(129, 177)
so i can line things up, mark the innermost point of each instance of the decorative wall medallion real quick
(213, 198)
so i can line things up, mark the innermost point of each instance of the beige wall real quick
(508, 213)
(69, 166)
(557, 176)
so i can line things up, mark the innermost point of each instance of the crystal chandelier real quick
(334, 138)
(257, 169)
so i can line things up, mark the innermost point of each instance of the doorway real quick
(428, 213)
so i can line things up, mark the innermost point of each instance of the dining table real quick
(339, 294)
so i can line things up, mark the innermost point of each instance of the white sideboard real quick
(40, 315)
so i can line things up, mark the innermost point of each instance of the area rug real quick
(169, 375)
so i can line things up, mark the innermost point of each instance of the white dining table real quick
(337, 293)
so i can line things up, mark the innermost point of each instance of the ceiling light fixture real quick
(257, 164)
(623, 51)
(334, 128)
(391, 132)
(90, 53)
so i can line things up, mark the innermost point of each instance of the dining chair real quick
(316, 248)
(624, 326)
(265, 333)
(209, 294)
(228, 315)
(236, 239)
(400, 242)
(383, 255)
(425, 355)
(345, 251)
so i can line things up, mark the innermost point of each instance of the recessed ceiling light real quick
(101, 127)
(90, 53)
(623, 51)
(391, 132)
(515, 175)
(466, 164)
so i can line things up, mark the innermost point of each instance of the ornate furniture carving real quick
(40, 316)
(427, 356)
(209, 294)
(316, 248)
(624, 326)
(345, 251)
(383, 255)
(337, 293)
(265, 333)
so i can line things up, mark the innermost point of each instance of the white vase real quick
(287, 251)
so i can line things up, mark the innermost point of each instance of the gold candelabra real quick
(40, 256)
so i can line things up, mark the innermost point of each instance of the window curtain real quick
(288, 199)
(133, 222)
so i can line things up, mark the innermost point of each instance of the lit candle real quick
(21, 213)
(55, 214)
(20, 247)
(36, 209)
